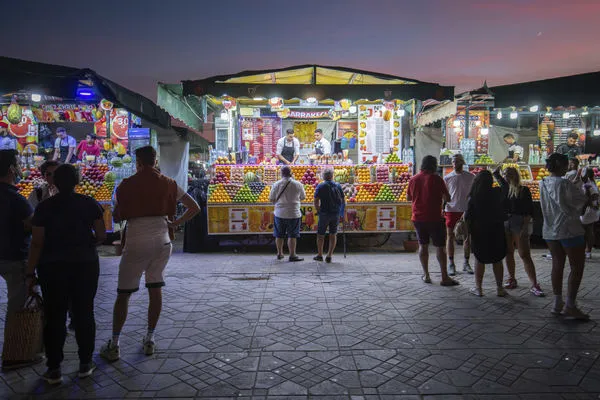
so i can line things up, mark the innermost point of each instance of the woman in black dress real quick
(485, 217)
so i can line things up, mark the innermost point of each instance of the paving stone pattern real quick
(245, 326)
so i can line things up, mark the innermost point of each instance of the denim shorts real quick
(577, 241)
(330, 221)
(287, 227)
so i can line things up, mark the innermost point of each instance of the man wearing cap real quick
(288, 148)
(7, 142)
(64, 146)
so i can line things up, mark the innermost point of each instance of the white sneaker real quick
(110, 351)
(588, 256)
(149, 347)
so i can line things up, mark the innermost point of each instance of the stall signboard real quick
(259, 219)
(377, 131)
(558, 125)
(260, 135)
(25, 132)
(68, 112)
(304, 114)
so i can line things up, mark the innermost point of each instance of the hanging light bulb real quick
(484, 131)
(566, 115)
(499, 115)
(514, 115)
(352, 109)
(311, 99)
(534, 108)
(400, 112)
(36, 97)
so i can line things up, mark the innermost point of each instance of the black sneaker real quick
(86, 370)
(318, 258)
(296, 259)
(53, 376)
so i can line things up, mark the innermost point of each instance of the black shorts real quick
(434, 230)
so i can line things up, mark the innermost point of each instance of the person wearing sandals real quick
(562, 202)
(517, 227)
(427, 192)
(329, 201)
(286, 194)
(485, 216)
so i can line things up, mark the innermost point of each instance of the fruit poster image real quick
(25, 130)
(231, 220)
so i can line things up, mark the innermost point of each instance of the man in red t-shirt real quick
(428, 192)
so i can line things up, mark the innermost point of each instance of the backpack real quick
(335, 194)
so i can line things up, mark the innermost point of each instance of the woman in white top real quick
(562, 202)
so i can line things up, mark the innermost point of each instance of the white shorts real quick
(149, 258)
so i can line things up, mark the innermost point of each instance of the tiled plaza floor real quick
(245, 326)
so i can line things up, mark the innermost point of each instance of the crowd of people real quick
(51, 241)
(497, 220)
(51, 238)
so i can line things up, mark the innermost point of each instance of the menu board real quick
(558, 126)
(260, 135)
(375, 127)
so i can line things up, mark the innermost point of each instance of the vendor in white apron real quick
(288, 148)
(321, 145)
(64, 146)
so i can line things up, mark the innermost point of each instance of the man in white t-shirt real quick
(64, 146)
(288, 148)
(287, 193)
(322, 145)
(459, 184)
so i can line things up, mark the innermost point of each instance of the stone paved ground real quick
(248, 327)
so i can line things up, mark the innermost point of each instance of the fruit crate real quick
(525, 172)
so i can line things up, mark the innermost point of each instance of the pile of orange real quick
(105, 192)
(25, 188)
(363, 173)
(264, 196)
(218, 195)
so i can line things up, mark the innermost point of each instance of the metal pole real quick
(467, 122)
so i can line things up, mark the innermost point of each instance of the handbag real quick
(23, 339)
(590, 215)
(281, 193)
(461, 231)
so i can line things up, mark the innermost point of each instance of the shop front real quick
(355, 122)
(103, 123)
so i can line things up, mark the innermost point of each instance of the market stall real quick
(365, 117)
(36, 99)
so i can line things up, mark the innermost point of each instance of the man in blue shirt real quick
(15, 234)
(329, 205)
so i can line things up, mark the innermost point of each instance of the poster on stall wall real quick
(228, 219)
(260, 135)
(375, 131)
(455, 130)
(25, 132)
(119, 128)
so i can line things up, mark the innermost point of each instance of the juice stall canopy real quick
(296, 82)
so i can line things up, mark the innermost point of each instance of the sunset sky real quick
(453, 42)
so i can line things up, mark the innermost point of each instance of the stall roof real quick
(575, 90)
(322, 82)
(56, 80)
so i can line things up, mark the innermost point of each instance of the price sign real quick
(119, 126)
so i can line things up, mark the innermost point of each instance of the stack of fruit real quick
(105, 191)
(253, 168)
(542, 173)
(484, 159)
(525, 174)
(25, 187)
(223, 161)
(392, 158)
(264, 196)
(349, 191)
(232, 189)
(309, 178)
(534, 188)
(309, 190)
(298, 171)
(340, 175)
(385, 194)
(270, 175)
(397, 189)
(368, 191)
(219, 177)
(91, 180)
(225, 169)
(244, 195)
(510, 165)
(404, 194)
(364, 174)
(256, 187)
(382, 173)
(237, 174)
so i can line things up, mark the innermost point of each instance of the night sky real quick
(452, 42)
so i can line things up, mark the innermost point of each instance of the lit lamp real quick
(224, 115)
(499, 115)
(534, 108)
(36, 97)
(514, 115)
(484, 131)
(456, 123)
(400, 113)
(311, 99)
(566, 115)
(352, 109)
